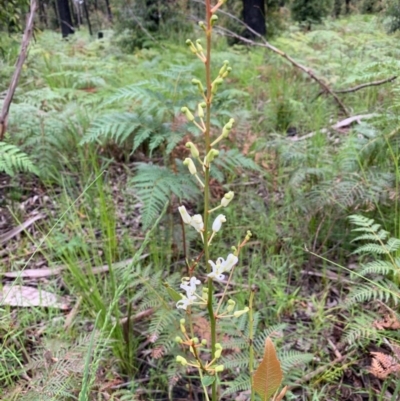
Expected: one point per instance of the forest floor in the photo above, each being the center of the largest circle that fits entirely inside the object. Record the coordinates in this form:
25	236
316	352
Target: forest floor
72	238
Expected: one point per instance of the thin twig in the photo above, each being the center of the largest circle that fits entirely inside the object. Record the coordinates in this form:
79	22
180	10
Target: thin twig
362	86
268	46
18	68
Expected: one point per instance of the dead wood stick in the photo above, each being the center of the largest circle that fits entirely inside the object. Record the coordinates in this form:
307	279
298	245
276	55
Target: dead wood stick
18	68
268	46
362	86
338	126
4	238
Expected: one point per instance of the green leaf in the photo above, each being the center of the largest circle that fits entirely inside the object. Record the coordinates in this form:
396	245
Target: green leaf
207	380
174	295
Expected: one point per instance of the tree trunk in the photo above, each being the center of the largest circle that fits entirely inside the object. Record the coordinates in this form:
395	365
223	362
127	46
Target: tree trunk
43	14
85	8
347	6
254	16
109	13
64	14
152	13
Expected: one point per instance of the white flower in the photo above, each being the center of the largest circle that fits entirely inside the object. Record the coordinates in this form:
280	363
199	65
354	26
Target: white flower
227	198
185	215
197	222
218	222
190	286
222	266
216	273
231	261
185	302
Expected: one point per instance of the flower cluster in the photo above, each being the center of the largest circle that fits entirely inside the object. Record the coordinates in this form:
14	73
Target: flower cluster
190	287
222	266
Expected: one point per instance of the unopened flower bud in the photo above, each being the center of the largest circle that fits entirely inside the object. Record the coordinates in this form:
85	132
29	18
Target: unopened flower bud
217	224
191	46
223	68
204	342
202	25
195	340
248	235
200	111
212	154
190	165
178	340
219	368
188	114
184	214
199	85
227	72
181	360
227	198
215	85
218	350
213	19
227	128
241	312
198	45
193	150
231	305
182	325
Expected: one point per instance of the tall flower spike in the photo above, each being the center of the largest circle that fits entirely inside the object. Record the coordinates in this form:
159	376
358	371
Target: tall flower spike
184	214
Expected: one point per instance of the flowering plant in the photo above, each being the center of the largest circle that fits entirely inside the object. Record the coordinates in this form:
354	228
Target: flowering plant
203	356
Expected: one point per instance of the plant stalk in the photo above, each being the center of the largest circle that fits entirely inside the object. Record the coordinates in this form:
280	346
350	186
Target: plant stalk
251	342
207	189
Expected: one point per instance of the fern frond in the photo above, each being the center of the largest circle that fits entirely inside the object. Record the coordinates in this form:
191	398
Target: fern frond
154	186
13	160
385	292
380	267
291	359
240	383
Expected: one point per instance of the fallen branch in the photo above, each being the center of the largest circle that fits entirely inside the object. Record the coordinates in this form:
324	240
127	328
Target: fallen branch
362	86
4	238
268	46
18	68
338	126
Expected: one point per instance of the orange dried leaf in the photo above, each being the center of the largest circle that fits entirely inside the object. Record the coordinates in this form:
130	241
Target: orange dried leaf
268	376
389	322
383	365
280	396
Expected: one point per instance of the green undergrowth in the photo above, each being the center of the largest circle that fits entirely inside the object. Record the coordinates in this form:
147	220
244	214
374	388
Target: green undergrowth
103	131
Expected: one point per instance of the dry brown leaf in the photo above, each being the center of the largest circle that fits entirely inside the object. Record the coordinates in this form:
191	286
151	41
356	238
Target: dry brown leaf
268	376
4	238
383	365
24	296
47	272
388	322
158	352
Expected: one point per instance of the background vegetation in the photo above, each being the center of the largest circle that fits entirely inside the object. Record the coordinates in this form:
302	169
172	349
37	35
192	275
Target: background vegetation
91	180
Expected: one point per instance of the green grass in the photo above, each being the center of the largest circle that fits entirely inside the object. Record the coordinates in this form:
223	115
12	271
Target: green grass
299	201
